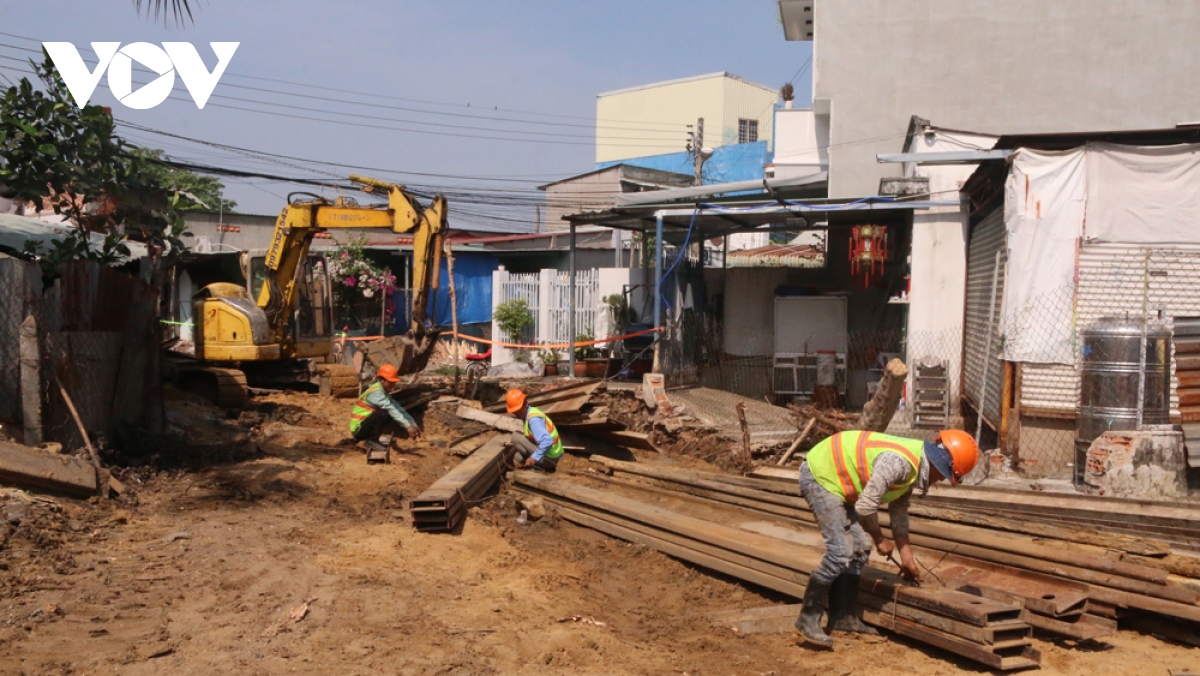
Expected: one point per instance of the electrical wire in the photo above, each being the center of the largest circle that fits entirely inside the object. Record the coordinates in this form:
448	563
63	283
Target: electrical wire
308	85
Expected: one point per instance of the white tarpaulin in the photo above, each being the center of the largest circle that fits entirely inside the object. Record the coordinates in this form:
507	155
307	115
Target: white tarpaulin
1045	197
1140	195
1143	194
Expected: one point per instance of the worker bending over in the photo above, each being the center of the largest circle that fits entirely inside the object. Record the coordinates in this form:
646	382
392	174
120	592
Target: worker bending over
845	479
375	408
540	445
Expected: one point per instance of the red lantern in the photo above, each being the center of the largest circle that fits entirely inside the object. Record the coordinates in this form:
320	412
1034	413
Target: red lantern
868	251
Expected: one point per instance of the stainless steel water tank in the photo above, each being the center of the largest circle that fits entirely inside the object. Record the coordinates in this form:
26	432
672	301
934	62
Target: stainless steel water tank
1108	393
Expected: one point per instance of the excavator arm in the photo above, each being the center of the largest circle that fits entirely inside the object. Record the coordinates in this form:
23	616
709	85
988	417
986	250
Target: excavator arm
300	221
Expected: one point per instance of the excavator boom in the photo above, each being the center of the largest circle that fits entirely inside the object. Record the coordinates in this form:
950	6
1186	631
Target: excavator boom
247	336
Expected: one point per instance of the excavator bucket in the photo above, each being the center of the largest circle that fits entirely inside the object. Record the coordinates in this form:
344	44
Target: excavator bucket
408	353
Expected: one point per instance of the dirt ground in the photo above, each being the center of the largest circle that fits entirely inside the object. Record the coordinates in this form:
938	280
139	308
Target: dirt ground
284	552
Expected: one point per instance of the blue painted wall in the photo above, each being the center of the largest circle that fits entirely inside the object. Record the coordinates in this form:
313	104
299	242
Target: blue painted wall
737	162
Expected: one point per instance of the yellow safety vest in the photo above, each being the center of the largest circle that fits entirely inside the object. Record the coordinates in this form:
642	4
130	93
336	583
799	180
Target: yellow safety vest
842	463
556	450
361	408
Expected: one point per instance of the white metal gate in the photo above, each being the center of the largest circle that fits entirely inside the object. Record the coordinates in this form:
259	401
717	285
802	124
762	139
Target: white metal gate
522	286
548	295
587	286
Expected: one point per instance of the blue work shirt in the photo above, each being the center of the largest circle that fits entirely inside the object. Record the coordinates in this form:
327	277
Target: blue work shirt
537	427
381	399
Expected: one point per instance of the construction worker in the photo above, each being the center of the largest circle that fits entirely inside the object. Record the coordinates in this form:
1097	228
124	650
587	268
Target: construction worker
540	445
375	408
845	479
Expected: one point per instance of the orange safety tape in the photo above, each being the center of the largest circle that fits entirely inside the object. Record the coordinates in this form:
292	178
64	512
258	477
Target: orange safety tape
555	346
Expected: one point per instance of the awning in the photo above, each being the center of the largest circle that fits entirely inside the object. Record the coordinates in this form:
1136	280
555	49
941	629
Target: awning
16	230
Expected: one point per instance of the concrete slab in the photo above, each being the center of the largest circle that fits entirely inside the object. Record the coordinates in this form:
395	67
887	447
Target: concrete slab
768	424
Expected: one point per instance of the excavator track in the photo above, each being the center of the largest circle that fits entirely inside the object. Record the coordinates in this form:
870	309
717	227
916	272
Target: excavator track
224	387
336	380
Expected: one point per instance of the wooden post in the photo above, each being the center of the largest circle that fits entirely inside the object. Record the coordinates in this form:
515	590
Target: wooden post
878	412
741	413
75	414
31	385
799	440
453	313
1005	406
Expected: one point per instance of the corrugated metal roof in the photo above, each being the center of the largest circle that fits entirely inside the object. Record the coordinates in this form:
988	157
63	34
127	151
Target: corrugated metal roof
778	256
16	230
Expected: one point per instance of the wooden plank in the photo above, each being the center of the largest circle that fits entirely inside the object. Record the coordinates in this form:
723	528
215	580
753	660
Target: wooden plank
543	399
67	474
769	620
504	422
466	445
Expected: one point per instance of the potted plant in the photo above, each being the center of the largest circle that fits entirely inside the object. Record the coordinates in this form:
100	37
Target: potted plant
514	318
550	359
594	366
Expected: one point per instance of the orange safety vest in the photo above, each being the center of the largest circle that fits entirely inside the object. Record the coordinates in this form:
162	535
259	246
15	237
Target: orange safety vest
842	463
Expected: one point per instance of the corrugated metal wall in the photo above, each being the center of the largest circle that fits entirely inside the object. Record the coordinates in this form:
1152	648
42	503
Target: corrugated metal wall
981	352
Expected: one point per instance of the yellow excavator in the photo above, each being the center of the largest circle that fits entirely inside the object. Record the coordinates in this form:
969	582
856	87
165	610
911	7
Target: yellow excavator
240	342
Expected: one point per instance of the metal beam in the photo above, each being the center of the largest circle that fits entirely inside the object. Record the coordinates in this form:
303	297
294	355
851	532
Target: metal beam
955	157
658	242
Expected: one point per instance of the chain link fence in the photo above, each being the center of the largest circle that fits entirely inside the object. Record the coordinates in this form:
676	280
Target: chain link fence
1078	361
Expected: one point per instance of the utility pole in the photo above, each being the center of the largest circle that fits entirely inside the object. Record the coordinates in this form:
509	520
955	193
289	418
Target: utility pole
695	143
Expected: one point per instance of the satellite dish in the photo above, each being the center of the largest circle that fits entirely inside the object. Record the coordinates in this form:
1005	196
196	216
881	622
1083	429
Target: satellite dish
706	153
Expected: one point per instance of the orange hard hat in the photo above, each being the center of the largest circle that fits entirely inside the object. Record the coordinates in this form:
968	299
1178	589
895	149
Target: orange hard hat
388	372
963	452
514	399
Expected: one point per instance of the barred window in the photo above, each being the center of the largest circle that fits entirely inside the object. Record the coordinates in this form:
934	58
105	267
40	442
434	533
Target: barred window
747	131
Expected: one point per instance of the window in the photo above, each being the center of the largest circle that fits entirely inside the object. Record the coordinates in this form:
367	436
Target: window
747	131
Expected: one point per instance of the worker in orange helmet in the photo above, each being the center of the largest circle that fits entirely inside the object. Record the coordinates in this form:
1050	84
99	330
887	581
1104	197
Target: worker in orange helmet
539	446
375	408
845	479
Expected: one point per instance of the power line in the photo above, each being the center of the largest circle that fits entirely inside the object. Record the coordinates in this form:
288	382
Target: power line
400	98
533	135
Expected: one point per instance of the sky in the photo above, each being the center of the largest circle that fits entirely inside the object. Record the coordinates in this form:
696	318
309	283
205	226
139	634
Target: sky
480	100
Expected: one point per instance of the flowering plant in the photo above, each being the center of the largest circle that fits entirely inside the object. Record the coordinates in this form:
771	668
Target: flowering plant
353	274
359	285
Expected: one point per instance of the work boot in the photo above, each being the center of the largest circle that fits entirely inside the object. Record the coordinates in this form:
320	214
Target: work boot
816	595
843	607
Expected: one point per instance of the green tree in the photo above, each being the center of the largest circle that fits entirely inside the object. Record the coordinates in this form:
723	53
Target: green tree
198	192
57	155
